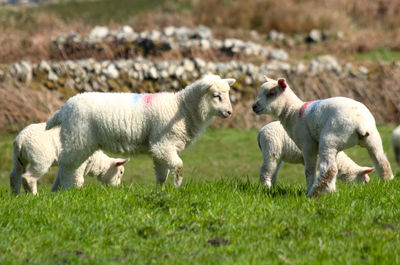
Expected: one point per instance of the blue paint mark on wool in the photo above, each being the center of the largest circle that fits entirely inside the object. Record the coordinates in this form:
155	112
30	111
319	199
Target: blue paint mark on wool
136	97
314	105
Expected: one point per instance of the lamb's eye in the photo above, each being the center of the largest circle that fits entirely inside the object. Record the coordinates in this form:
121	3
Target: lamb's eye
271	93
218	96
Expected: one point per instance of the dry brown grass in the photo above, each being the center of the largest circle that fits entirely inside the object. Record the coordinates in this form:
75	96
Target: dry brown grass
21	105
367	24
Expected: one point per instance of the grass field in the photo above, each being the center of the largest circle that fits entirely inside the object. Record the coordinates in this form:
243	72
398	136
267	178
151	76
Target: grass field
220	216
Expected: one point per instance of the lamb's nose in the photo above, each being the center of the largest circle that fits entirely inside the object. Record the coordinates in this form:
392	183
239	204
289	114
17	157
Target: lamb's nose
229	112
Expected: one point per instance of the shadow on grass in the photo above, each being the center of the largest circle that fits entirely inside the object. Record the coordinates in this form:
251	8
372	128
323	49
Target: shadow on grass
246	186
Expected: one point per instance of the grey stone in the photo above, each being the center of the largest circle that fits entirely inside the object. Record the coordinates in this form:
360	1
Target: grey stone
153	73
44	66
51	76
98	33
278	54
188	65
111	71
315	35
363	70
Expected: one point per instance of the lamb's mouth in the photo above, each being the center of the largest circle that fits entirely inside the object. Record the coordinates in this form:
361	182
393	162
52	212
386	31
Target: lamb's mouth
257	111
225	114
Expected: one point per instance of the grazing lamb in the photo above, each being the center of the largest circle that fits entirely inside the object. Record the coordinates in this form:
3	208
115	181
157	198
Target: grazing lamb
163	124
321	129
41	148
277	147
396	143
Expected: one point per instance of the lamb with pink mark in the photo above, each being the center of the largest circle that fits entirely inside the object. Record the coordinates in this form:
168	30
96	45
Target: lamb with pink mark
40	149
396	143
277	147
163	124
321	129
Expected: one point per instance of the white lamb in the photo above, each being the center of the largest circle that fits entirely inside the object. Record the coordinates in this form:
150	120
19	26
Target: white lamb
163	124
41	148
396	143
321	129
277	147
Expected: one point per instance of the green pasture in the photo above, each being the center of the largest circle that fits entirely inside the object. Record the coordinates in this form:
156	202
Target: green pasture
221	216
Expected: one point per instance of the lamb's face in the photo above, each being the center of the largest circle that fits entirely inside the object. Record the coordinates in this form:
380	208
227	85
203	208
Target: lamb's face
269	96
115	172
218	98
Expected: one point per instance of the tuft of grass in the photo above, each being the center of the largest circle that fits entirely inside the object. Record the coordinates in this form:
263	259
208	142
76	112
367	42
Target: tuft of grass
379	54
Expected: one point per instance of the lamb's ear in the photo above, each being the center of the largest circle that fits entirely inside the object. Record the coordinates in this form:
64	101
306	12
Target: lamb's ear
282	84
230	81
120	161
367	170
268	79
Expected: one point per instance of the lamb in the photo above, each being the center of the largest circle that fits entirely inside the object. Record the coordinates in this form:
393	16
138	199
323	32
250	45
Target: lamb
41	148
277	147
396	143
163	124
321	129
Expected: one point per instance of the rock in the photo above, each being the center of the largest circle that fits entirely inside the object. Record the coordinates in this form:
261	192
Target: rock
44	66
188	65
363	70
169	31
153	73
111	71
22	71
153	35
51	76
328	63
126	29
199	63
315	35
179	72
300	68
278	54
202	32
275	35
205	44
99	33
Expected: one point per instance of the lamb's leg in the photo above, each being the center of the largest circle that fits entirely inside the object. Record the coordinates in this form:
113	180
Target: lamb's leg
30	178
173	161
161	171
310	165
16	175
373	143
70	170
269	170
327	171
275	175
29	182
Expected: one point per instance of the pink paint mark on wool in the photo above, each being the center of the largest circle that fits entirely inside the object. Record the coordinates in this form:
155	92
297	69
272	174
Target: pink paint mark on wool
303	107
148	98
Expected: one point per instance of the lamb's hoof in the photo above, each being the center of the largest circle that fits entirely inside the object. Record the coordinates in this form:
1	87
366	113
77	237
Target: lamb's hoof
266	183
391	177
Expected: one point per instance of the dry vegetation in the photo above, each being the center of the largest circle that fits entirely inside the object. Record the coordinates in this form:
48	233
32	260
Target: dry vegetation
367	24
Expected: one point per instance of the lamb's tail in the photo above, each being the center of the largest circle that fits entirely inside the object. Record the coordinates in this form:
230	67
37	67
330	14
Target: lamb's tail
54	120
18	169
362	133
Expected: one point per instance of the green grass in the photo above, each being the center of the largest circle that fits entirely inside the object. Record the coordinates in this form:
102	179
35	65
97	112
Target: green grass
379	54
101	12
221	198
